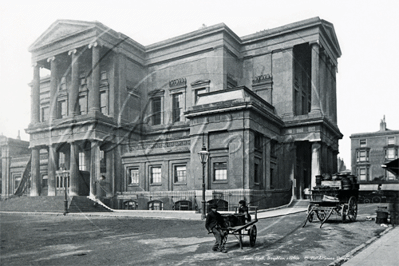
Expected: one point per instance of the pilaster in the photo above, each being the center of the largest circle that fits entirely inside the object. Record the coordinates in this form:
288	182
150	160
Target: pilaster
316	154
94	92
35	97
74	92
53	87
315	100
74	170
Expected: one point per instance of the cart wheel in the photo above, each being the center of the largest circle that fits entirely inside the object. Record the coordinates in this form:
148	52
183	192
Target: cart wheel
252	235
376	199
352	209
344	210
366	200
320	215
310	213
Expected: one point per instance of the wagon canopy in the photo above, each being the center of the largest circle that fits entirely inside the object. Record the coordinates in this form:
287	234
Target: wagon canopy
392	166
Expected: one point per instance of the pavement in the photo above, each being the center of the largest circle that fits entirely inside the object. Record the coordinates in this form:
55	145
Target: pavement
379	250
382	250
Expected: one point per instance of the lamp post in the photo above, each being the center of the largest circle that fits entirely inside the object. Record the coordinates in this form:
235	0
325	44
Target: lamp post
65	176
203	154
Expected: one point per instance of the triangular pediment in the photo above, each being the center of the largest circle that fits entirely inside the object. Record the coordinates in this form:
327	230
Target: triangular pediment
59	30
329	29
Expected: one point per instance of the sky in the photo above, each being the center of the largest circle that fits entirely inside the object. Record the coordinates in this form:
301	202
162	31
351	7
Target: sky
367	31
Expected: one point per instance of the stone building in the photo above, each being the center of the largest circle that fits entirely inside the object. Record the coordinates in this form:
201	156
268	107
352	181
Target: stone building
124	122
15	156
371	150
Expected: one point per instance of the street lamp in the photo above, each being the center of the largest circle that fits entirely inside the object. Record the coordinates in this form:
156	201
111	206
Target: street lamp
203	154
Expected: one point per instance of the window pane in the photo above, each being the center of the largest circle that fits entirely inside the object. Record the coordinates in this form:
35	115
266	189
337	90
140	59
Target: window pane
198	93
82	105
180	174
82	161
362	174
220	171
391	140
45	114
61	160
104	102
177	106
156	111
363	143
155	175
134	176
390	153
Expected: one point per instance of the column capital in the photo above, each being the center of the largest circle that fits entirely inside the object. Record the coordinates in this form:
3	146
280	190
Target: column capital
73	51
314	43
93	44
51	59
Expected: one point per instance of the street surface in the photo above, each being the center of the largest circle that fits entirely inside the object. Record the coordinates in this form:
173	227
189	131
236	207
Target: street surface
95	240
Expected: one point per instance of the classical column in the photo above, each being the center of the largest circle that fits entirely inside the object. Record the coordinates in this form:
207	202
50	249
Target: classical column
109	161
74	170
74	92
323	83
315	163
315	101
52	167
35	98
94	92
36	183
329	89
53	87
334	94
94	166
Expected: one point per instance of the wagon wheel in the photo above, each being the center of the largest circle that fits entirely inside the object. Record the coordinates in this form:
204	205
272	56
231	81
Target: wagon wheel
320	215
252	235
352	209
366	200
344	210
310	213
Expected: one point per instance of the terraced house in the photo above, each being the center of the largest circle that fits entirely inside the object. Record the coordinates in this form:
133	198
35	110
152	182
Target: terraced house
125	122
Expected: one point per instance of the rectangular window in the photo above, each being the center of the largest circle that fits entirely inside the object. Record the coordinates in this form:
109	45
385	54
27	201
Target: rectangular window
258	141
156	110
156	175
363	156
256	174
61	160
103	163
17	180
391	140
134	176
82	161
220	171
273	148
176	106
45	114
61	109
363	143
389	175
198	93
45	181
390	153
104	102
82	105
180	173
363	173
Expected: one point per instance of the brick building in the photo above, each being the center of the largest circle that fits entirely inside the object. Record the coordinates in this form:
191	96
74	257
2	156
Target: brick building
263	105
371	150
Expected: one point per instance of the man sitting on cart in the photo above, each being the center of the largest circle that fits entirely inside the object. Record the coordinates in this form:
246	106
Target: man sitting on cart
214	223
242	208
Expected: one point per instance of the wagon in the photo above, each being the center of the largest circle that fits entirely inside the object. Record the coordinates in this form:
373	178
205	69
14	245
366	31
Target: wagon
326	200
236	225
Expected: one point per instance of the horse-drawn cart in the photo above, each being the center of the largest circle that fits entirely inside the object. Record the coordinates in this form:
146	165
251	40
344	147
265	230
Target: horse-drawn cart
338	196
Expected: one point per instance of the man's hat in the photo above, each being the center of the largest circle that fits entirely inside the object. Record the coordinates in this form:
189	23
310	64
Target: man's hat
214	206
242	202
